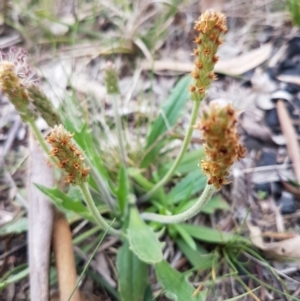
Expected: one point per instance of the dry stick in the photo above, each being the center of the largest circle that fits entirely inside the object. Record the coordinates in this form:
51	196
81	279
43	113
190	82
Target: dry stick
64	258
291	137
40	219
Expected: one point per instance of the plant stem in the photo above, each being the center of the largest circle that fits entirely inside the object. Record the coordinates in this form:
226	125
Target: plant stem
39	136
100	181
98	217
183	149
119	129
181	217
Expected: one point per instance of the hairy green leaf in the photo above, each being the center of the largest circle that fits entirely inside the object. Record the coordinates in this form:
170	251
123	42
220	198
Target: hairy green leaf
198	258
65	203
142	240
132	275
174	283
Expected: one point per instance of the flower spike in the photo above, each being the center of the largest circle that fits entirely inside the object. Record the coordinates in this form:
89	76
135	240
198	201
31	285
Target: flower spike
20	84
222	147
210	26
69	156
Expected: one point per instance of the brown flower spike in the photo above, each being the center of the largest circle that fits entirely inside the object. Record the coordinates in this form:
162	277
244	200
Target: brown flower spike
222	147
69	156
210	26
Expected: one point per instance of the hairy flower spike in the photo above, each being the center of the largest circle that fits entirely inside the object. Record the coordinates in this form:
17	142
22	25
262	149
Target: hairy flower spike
210	26
43	105
13	87
69	155
19	83
222	147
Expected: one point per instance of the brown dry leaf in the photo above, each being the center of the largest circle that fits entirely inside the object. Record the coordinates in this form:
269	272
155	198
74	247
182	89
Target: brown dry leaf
289	247
234	66
253	124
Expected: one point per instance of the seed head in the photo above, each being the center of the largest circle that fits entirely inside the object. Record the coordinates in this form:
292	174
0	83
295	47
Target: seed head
20	84
69	156
210	26
14	88
18	57
218	127
43	105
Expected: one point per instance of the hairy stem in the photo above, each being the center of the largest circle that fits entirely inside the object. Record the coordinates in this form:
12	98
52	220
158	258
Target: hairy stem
39	136
94	210
183	149
181	217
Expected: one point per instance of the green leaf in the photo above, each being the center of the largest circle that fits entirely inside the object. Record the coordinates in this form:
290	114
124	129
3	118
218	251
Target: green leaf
188	186
65	203
188	163
198	258
171	111
186	236
17	226
175	284
132	275
148	294
142	240
123	189
136	174
16	274
211	235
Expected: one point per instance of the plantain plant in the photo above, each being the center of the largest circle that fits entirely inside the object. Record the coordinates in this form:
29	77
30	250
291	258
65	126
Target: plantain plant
107	194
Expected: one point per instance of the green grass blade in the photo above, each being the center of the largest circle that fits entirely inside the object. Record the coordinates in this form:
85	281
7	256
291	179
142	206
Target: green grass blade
212	236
